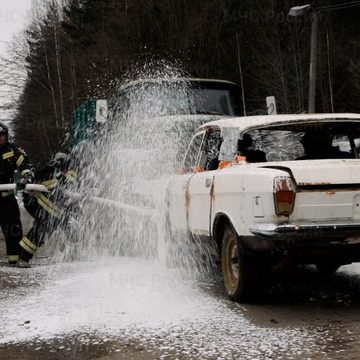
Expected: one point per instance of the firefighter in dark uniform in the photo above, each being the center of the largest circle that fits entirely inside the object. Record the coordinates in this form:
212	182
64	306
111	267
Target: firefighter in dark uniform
12	158
50	210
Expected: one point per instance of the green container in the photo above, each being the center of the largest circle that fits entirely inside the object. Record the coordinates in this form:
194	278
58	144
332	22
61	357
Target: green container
83	122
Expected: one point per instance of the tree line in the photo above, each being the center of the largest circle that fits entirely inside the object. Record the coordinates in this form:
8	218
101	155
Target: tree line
76	50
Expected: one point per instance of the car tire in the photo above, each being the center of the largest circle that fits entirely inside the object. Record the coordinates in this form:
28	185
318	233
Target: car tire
327	269
242	274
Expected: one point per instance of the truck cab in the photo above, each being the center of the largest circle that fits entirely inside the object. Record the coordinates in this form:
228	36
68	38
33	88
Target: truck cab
153	98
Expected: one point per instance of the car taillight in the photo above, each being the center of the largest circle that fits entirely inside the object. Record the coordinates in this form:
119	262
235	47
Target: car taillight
284	195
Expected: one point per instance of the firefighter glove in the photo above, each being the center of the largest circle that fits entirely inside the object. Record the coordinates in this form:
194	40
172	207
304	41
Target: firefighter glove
24	181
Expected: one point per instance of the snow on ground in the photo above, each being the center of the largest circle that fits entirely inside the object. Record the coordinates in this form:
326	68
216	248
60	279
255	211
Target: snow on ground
138	300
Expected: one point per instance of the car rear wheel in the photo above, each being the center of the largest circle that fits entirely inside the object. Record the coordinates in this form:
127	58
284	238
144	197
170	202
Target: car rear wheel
240	272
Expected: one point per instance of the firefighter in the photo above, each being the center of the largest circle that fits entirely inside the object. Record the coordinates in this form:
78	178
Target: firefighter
50	210
12	158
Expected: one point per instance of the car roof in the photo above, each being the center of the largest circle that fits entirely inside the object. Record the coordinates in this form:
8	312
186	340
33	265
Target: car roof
247	122
174	80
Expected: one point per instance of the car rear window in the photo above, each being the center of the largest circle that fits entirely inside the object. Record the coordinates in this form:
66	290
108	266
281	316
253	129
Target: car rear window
308	141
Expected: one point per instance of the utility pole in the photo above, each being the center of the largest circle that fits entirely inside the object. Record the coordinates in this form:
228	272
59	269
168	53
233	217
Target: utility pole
298	11
313	61
315	9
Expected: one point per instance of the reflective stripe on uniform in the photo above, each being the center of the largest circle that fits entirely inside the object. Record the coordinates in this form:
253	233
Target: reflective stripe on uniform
27	245
48	202
13	257
26	171
49	209
48	205
20	160
50	184
8	155
72	176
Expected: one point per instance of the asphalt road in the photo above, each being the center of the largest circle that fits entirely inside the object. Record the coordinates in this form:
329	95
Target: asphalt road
132	309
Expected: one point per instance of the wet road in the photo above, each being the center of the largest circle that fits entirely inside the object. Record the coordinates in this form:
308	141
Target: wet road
127	308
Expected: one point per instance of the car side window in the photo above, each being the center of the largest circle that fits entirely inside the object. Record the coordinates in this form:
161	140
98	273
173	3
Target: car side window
193	152
211	151
228	149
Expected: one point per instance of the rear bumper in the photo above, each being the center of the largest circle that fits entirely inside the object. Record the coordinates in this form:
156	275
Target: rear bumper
309	238
307	243
316	233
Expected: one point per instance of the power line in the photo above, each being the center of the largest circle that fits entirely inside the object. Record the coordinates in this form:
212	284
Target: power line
339	6
349	3
344	7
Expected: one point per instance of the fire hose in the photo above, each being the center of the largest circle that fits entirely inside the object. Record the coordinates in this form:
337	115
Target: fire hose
77	196
28	187
112	203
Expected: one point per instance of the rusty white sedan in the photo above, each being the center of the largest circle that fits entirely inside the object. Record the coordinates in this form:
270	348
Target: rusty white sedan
269	191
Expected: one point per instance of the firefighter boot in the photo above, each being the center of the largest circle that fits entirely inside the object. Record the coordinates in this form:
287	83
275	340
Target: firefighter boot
22	264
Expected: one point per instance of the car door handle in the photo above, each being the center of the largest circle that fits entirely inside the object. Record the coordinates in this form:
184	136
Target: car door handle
208	182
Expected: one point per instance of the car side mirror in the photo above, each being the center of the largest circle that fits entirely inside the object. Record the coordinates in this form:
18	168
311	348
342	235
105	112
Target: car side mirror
101	111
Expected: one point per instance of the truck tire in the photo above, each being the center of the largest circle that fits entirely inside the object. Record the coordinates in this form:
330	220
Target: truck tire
241	273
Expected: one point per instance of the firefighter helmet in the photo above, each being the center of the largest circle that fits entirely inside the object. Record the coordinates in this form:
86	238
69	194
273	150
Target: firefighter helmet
60	156
59	160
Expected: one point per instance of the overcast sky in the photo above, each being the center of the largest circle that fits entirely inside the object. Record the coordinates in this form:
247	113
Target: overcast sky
14	15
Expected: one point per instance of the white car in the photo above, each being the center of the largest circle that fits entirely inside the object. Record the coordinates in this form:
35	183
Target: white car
271	190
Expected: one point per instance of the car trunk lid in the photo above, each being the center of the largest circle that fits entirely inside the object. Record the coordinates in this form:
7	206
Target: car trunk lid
327	190
321	173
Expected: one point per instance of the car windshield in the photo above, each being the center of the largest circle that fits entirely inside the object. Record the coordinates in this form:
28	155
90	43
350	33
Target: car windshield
306	141
180	98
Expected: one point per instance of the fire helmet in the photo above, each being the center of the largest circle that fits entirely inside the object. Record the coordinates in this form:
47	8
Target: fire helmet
60	160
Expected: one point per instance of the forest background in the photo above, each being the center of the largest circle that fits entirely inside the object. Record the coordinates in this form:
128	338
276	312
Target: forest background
74	50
